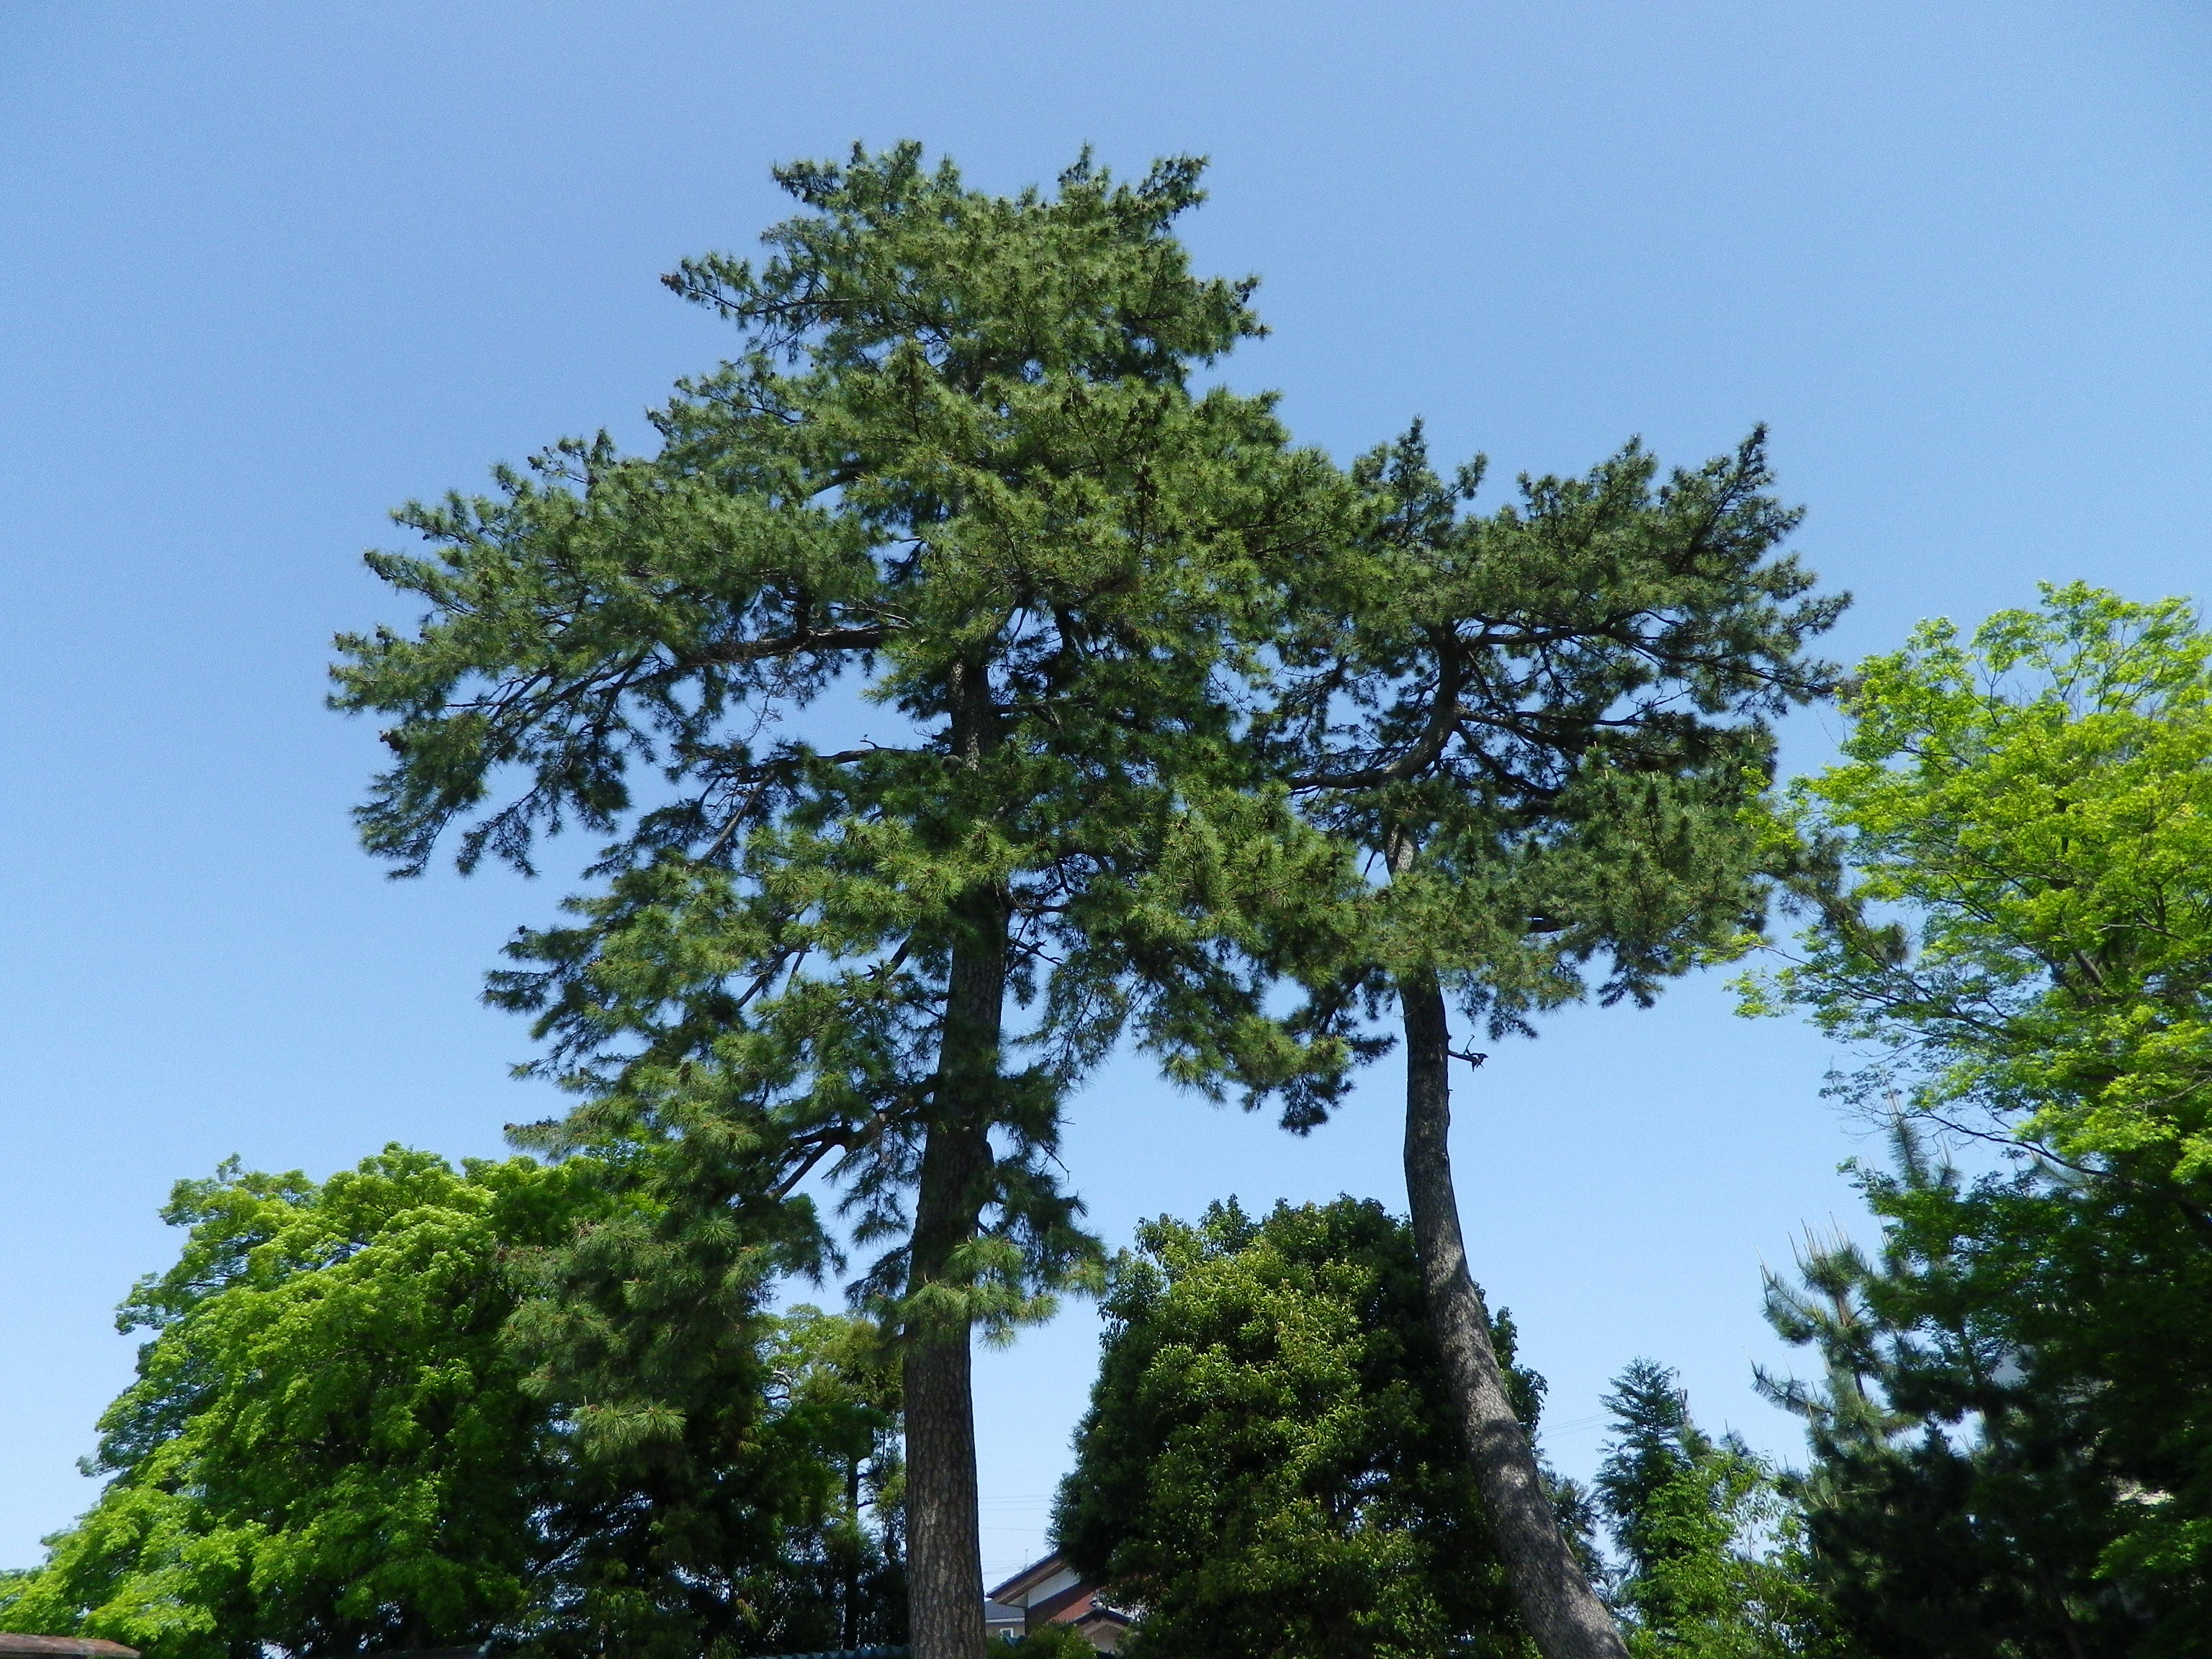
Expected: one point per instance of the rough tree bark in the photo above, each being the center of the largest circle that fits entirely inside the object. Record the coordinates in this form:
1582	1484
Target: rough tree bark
1563	1613
944	1563
944	1560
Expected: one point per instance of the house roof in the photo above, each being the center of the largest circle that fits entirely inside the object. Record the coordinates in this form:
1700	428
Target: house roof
1077	1605
62	1647
1029	1578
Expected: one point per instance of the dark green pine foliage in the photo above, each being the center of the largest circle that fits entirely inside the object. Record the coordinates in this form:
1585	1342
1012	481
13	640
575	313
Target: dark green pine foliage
735	1482
1270	1462
2009	1440
1550	725
954	495
1546	731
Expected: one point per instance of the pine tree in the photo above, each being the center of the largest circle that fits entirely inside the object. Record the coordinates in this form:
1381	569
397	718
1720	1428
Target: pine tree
1548	726
1963	1497
1655	1445
734	1482
956	470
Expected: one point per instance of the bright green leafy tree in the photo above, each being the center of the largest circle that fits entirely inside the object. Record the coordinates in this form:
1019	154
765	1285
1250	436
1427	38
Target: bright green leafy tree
333	1446
2010	1445
1715	1562
956	470
1271	1461
2033	808
328	1447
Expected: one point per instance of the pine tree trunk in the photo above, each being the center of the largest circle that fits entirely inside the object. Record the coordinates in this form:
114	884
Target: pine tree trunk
851	1624
945	1557
945	1565
944	1562
1562	1611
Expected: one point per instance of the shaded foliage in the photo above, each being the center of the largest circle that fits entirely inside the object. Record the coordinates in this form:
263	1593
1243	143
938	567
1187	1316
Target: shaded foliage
1270	1462
2009	1435
736	1483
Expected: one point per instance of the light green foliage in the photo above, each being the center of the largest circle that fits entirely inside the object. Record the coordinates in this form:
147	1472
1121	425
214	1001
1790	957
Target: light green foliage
1716	1564
1271	1463
333	1447
327	1448
1731	1579
2033	806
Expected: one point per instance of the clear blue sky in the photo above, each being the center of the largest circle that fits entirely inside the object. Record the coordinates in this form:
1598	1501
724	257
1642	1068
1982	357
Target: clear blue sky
267	270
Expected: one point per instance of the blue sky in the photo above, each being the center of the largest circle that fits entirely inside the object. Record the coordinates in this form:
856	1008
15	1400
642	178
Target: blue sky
269	270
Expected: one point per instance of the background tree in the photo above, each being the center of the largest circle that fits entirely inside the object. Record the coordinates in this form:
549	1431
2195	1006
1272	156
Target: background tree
2024	960
1654	1443
333	1447
735	1482
955	469
1714	1559
1271	1461
1548	727
328	1449
2006	1435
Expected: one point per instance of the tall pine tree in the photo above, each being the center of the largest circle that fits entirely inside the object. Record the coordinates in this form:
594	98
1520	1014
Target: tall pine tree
1547	729
956	470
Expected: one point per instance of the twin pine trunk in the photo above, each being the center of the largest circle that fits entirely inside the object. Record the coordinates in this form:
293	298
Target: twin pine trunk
1562	1612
